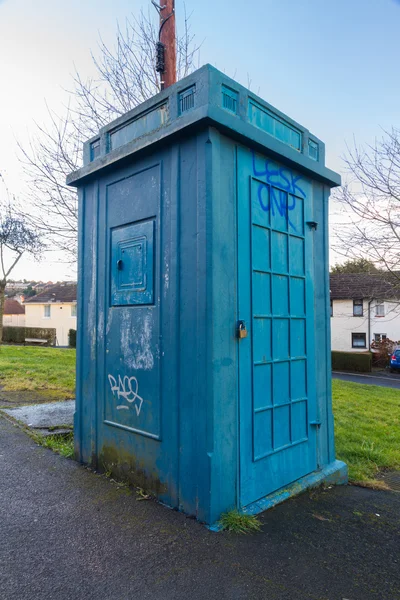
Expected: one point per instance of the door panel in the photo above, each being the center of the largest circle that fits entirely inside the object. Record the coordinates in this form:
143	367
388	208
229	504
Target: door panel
276	359
132	336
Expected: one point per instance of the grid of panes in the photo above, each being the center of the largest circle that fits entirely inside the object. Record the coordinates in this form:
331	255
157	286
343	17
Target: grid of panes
279	320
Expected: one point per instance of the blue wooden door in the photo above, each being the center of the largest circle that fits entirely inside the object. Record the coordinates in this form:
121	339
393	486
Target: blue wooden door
275	299
132	331
136	432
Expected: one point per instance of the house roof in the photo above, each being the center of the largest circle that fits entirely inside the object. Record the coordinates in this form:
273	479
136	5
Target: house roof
60	292
365	285
13	307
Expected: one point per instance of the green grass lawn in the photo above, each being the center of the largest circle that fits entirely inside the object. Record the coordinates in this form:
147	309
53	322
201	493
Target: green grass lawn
367	429
48	371
367	417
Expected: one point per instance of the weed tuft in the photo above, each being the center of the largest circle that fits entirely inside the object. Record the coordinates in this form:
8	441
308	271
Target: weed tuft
62	444
238	522
141	494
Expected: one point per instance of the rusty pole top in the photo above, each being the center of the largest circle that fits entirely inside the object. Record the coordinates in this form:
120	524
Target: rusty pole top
166	46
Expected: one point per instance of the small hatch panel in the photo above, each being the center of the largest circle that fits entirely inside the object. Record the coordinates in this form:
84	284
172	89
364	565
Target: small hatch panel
132	258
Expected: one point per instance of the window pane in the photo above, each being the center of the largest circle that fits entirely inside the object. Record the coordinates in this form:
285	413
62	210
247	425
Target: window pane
380	309
47	310
380	336
73	310
358	308
358	340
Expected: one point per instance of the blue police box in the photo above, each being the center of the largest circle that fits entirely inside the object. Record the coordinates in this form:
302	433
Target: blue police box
203	349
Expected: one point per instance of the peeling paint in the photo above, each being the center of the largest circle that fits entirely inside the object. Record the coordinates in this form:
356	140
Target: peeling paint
92	298
166	271
136	342
100	325
109	322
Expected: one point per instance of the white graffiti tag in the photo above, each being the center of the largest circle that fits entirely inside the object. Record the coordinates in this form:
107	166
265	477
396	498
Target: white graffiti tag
127	388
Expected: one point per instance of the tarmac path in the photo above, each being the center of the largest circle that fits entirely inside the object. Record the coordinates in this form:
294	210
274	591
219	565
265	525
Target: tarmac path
381	379
69	534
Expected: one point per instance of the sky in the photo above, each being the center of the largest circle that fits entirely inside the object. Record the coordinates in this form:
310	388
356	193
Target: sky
331	66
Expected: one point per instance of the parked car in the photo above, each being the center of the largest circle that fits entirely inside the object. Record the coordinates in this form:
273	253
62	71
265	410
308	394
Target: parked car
395	360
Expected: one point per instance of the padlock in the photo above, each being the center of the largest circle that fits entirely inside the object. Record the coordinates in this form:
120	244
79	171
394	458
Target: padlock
242	331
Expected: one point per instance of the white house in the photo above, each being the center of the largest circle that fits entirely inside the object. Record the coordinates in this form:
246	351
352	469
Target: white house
55	307
364	307
14	313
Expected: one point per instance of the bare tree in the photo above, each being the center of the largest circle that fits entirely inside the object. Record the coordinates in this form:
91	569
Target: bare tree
16	238
55	151
371	199
125	77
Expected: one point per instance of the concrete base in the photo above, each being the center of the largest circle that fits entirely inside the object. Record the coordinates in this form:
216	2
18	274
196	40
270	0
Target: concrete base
49	418
336	473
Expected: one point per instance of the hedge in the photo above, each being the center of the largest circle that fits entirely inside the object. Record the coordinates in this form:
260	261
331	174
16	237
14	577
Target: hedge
72	338
14	335
17	335
359	362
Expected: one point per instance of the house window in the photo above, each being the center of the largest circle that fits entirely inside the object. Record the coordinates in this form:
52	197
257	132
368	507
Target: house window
331	308
358	340
378	337
73	310
357	308
380	309
47	308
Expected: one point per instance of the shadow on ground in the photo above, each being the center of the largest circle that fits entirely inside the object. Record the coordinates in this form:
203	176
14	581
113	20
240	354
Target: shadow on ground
69	533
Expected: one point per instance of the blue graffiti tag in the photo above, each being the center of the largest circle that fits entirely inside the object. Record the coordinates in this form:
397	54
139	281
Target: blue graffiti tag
290	184
277	200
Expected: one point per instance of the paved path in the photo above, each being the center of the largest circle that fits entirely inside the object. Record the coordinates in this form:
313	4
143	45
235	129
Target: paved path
68	534
44	417
381	379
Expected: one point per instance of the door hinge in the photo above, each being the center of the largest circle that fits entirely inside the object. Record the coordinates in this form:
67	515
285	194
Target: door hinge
312	224
315	423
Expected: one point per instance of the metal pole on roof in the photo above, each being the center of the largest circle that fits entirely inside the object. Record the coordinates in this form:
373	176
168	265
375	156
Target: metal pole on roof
166	45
